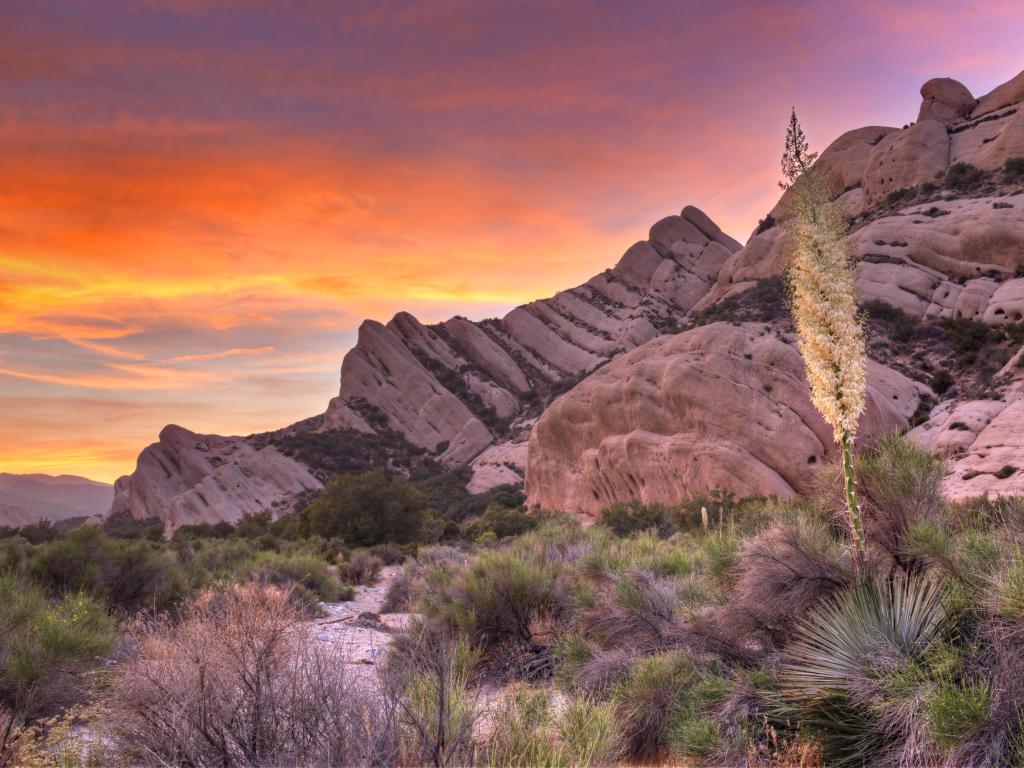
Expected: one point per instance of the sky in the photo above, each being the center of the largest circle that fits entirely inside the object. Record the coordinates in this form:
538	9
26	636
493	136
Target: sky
200	200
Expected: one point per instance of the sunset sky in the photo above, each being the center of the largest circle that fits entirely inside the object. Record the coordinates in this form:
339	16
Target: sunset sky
200	200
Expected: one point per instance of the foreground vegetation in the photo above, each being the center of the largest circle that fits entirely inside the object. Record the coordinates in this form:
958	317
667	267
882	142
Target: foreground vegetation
713	632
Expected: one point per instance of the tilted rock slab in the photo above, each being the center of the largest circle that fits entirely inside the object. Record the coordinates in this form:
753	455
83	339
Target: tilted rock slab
458	388
720	406
187	478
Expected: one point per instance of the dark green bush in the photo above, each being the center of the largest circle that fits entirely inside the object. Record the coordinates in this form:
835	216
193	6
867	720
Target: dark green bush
1013	169
626	517
941	382
369	508
500	520
963	176
130	574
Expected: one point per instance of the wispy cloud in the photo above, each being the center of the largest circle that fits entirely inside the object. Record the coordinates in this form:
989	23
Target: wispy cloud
236	352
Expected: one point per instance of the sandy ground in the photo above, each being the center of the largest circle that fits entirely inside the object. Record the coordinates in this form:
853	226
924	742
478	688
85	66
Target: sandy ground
362	646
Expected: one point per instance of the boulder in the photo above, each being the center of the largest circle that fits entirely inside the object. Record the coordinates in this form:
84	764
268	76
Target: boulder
1005	95
718	406
946	101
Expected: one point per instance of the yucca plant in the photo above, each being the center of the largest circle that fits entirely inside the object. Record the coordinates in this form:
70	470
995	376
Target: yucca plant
824	306
839	666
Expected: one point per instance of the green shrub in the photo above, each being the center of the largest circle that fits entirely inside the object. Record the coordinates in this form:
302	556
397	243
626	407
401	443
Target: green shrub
941	382
130	575
648	700
588	730
693	735
1013	169
900	484
956	711
41	644
500	596
310	576
626	517
1011	597
499	520
721	553
360	567
963	176
369	508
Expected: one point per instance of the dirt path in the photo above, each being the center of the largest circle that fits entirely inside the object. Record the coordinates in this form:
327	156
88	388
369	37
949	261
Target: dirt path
362	642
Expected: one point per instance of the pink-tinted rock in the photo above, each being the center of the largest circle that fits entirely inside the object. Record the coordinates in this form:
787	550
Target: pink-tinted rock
719	406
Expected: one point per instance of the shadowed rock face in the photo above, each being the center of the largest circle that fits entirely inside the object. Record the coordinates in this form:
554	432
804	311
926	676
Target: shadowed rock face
586	390
720	406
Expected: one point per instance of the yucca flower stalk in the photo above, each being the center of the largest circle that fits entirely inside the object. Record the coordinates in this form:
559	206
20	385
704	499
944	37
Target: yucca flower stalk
824	307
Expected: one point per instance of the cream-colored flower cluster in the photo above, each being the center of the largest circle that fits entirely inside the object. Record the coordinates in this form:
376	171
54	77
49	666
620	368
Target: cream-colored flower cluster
824	303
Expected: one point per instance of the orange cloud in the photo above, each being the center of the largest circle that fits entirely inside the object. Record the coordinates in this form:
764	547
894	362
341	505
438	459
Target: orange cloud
236	352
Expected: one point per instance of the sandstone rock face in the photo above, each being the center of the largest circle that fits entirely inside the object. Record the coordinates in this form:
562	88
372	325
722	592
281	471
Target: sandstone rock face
945	259
906	158
983	442
1005	95
945	100
720	406
469	391
585	393
187	478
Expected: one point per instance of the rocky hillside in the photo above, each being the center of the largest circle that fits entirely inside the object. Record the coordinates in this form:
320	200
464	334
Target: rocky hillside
937	227
461	392
676	371
26	499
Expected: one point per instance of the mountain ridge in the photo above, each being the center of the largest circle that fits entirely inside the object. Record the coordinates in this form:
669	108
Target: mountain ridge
934	229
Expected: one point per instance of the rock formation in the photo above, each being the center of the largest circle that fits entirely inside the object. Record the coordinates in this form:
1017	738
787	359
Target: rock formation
718	406
469	391
586	393
187	478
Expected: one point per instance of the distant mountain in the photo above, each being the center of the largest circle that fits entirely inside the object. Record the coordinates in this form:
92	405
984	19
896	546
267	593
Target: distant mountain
26	499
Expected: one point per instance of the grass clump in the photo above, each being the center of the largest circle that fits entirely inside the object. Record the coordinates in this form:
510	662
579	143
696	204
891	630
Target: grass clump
956	711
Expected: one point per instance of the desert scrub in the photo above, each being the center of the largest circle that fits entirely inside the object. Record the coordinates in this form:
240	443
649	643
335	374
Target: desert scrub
41	645
957	711
845	660
650	698
359	567
527	733
306	577
824	308
505	601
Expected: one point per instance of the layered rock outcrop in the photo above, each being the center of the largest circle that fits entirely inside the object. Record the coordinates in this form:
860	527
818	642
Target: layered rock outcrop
187	478
469	391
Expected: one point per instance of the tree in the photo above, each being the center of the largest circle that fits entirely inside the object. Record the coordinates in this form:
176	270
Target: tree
824	305
369	508
797	157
